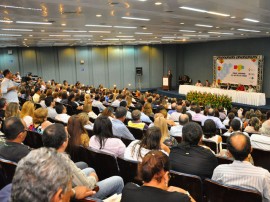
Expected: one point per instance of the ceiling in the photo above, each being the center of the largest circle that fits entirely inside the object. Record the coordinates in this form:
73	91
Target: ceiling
171	21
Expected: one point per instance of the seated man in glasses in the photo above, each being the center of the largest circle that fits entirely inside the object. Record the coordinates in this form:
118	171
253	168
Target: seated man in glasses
15	132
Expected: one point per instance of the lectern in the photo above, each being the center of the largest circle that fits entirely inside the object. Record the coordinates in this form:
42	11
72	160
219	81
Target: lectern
165	83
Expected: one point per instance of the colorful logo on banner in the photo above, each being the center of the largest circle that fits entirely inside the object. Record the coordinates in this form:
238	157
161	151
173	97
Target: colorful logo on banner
239	67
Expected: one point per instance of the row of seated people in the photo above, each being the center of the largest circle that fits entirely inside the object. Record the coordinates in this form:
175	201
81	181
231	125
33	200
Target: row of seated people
186	155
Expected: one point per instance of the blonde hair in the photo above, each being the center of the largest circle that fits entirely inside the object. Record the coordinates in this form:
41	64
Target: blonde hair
87	108
147	109
84	119
129	100
87	99
12	110
40	115
28	109
161	123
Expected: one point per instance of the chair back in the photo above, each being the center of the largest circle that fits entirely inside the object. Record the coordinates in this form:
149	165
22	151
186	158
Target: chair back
212	145
95	110
33	140
136	132
128	170
90	132
61	122
261	158
79	153
224	138
70	110
51	119
223	160
7	171
126	141
191	183
216	192
178	138
37	105
105	164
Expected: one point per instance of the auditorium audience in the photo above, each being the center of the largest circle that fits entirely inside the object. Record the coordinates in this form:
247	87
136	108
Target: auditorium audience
144	117
3	105
12	110
87	108
199	117
96	103
241	172
154	171
175	115
40	121
136	121
210	115
189	157
199	83
235	126
253	126
262	141
50	103
177	130
61	113
103	138
108	111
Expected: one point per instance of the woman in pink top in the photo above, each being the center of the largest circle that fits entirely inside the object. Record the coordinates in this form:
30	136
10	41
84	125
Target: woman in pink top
104	140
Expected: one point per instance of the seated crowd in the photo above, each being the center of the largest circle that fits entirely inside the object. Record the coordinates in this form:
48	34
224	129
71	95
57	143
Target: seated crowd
172	134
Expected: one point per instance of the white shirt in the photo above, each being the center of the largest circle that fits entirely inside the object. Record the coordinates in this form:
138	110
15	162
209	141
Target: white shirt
98	104
116	103
12	95
176	130
228	133
92	115
175	116
62	117
51	112
28	120
260	141
244	174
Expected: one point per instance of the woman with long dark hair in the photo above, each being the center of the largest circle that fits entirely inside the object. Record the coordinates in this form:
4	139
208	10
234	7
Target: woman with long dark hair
104	140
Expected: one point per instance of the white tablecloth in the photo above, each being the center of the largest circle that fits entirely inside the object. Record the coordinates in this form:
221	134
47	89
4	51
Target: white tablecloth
242	97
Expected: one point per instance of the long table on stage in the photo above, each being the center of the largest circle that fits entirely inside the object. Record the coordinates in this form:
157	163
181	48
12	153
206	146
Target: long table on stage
249	98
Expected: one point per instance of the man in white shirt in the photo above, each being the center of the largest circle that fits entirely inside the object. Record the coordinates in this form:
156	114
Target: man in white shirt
61	113
144	117
96	103
217	121
234	127
116	103
9	87
241	172
50	103
198	116
262	141
177	130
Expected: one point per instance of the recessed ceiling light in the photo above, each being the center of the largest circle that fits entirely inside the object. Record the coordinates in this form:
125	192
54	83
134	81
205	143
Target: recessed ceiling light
42	30
182	23
242	34
158	3
83	35
122	36
201	25
168	37
30	35
233	17
21	30
182	30
19	7
34	23
98	15
217	27
79	31
25	39
267	32
87	25
125	27
216	13
63	24
60	35
127	39
248	30
134	18
111	39
251	20
144	27
223	33
6	21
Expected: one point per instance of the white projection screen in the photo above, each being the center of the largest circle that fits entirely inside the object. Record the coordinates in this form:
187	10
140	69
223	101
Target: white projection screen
246	70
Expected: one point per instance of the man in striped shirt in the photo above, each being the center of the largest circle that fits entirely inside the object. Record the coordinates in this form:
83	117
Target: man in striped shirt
242	173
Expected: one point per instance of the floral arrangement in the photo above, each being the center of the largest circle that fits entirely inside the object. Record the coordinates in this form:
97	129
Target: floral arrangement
213	100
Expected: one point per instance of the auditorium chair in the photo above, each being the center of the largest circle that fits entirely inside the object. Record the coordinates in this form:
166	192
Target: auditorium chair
33	140
79	153
137	133
70	110
7	170
128	170
178	138
191	183
216	192
105	164
61	122
90	132
261	158
223	160
95	110
224	138
37	105
92	120
212	145
51	119
21	101
126	141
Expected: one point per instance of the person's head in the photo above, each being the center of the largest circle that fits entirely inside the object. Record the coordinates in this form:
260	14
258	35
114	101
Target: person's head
55	136
12	110
75	129
147	109
28	109
239	146
40	115
49	101
37	90
179	109
60	109
197	110
151	139
161	123
211	112
103	129
120	113
235	125
183	119
3	103
139	106
43	175
7	73
265	129
192	133
268	115
136	115
155	166
83	118
255	123
14	129
199	81
108	111
123	103
209	128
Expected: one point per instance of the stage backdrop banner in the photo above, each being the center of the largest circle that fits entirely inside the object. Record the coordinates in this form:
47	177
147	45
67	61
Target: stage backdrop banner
238	69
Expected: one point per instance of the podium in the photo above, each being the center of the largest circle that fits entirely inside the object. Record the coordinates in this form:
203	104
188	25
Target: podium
165	83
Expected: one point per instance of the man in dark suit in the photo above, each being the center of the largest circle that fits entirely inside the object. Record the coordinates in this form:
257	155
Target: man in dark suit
170	79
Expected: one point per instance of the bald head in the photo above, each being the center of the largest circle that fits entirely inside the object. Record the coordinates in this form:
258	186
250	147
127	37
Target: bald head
183	119
211	112
179	109
239	146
